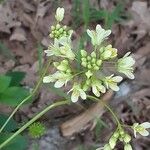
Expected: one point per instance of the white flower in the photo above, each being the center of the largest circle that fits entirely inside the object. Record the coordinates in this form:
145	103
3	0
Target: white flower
98	36
108	52
60	79
61	48
125	65
59	14
97	87
77	92
141	128
111	82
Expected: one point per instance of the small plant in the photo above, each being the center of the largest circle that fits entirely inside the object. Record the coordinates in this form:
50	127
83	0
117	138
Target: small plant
89	72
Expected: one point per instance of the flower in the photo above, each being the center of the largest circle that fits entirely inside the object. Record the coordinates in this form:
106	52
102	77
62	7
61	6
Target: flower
76	92
125	65
59	14
97	87
108	52
61	48
111	82
60	78
141	128
98	36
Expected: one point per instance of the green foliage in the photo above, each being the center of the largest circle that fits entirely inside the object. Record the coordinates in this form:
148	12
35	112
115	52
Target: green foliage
11	126
11	93
16	77
4	83
18	143
90	14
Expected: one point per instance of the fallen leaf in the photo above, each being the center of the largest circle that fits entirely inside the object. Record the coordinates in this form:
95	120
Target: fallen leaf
18	35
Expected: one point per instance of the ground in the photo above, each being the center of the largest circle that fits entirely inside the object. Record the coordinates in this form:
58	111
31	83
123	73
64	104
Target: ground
24	28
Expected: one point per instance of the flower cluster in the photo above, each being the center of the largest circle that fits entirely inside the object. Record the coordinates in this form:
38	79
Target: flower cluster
90	74
120	135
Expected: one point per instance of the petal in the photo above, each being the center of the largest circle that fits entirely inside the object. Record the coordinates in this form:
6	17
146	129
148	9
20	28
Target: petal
144	133
47	79
114	86
135	133
95	91
74	97
117	79
82	94
145	125
59	84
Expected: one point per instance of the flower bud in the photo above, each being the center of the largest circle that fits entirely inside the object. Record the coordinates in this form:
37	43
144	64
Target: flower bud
112	142
99	62
96	67
58	26
127	138
59	14
84	64
93	54
116	135
127	147
83	53
88	58
107	147
52	28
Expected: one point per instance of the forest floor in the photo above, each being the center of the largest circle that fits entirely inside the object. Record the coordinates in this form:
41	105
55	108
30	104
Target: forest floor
24	28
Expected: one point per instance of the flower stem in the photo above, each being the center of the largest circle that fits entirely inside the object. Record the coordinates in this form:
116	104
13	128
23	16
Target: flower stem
110	110
28	97
33	120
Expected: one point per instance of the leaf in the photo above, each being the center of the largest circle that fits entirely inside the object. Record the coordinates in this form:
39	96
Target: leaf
4	82
11	125
16	77
18	143
13	96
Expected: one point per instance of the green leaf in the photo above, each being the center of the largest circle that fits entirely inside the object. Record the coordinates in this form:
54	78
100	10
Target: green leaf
4	82
16	77
11	125
13	96
18	143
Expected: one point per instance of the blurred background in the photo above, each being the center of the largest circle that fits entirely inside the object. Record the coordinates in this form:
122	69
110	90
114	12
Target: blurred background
24	34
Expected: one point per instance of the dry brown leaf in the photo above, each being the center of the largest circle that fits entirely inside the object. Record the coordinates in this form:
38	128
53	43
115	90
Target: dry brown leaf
7	18
18	35
141	14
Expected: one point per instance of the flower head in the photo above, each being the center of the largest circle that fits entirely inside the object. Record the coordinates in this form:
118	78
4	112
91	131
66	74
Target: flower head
61	48
111	82
59	14
141	128
108	52
125	65
77	92
98	36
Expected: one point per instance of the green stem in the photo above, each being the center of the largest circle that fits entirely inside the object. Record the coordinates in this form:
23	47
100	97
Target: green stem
111	111
27	98
33	120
